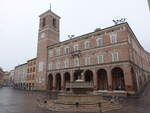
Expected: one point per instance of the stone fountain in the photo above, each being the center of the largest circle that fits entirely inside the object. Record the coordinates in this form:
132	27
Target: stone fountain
80	98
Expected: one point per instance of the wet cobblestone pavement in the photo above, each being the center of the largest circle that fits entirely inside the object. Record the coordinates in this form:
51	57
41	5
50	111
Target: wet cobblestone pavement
17	101
137	105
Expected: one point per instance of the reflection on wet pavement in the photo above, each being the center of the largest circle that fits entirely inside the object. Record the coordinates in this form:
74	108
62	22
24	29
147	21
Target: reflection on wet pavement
18	101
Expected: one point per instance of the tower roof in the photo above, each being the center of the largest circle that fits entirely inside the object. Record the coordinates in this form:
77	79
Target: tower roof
49	12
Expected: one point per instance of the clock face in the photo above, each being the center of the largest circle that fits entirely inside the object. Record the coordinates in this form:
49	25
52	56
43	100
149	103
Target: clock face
43	35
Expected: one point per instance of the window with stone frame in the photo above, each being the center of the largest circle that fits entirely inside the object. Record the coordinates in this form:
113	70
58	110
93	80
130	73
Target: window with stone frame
100	59
50	53
99	42
87	45
57	65
76	62
54	22
115	56
50	66
66	50
113	37
57	51
76	47
41	66
66	63
87	60
43	22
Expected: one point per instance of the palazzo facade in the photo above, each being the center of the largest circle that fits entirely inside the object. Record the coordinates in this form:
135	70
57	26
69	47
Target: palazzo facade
112	59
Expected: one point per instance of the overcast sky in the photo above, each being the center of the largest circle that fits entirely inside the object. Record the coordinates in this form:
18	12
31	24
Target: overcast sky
19	23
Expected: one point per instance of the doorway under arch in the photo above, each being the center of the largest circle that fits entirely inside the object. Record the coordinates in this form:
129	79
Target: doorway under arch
88	76
66	78
50	82
102	80
58	81
118	79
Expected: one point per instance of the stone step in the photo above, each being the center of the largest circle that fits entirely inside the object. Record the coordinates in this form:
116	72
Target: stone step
106	106
110	108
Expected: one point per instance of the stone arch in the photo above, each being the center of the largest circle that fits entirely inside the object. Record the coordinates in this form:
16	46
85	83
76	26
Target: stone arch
134	79
118	78
50	82
76	75
58	81
102	81
88	75
67	78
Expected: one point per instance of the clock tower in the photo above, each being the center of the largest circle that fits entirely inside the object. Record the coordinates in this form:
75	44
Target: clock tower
48	35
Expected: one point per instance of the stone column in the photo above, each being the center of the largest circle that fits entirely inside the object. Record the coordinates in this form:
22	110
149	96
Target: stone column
82	76
95	79
54	82
62	82
71	76
128	78
109	77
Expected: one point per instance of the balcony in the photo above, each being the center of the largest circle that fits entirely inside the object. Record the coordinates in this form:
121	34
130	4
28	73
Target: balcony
76	53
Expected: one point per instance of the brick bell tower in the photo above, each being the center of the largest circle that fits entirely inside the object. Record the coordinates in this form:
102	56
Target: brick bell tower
48	35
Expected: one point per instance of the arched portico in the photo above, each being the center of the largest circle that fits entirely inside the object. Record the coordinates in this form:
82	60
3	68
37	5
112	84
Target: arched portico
76	76
102	80
50	82
135	87
118	79
88	76
58	81
67	78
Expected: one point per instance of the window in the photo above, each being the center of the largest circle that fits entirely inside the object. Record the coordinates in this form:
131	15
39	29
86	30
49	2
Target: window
41	66
54	22
57	51
50	66
58	65
87	60
54	65
50	53
76	62
66	63
100	59
43	22
113	38
87	44
115	56
67	50
99	42
76	47
33	76
33	69
28	70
